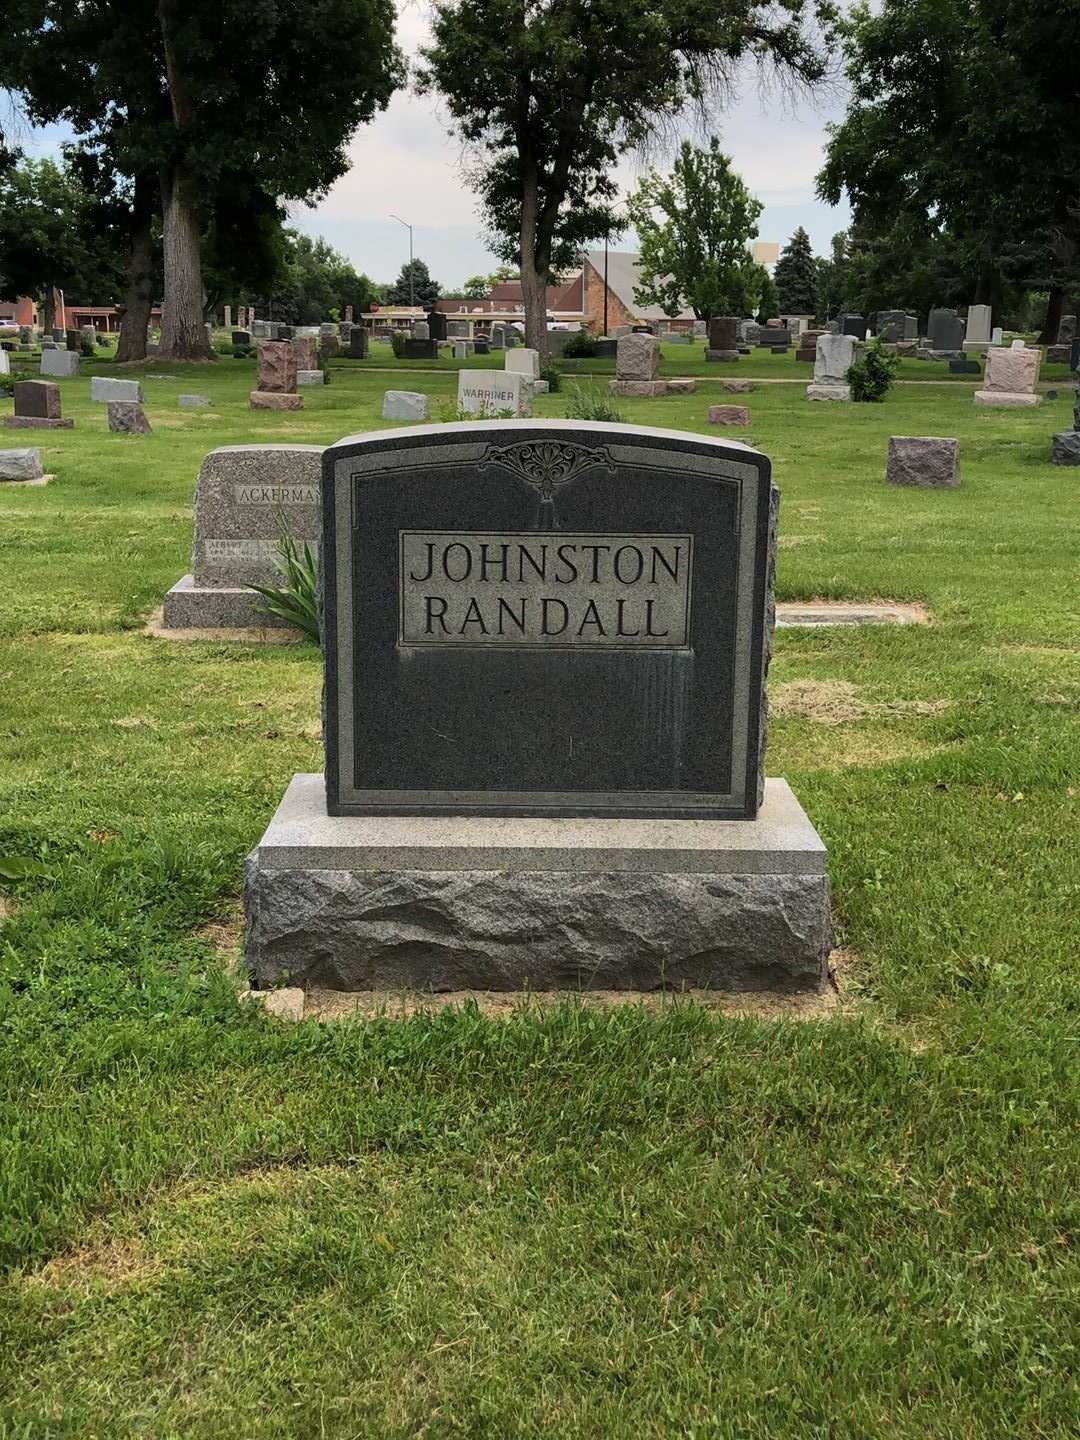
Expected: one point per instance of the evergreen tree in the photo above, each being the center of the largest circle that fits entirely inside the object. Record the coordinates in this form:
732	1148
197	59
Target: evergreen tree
767	306
422	291
795	276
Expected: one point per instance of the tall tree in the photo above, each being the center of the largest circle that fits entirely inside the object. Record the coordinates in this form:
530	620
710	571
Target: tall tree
550	95
414	286
198	93
795	276
694	229
921	148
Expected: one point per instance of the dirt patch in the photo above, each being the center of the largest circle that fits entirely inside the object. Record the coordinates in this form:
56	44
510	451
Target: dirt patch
7	907
838	702
252	635
503	1005
223	934
109	1263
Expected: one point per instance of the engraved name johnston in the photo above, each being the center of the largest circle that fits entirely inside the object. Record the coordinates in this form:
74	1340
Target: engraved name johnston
549	590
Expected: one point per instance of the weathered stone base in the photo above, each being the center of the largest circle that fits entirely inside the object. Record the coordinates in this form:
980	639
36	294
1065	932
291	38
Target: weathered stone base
976	347
1007	399
729	415
637	389
1065	448
828	392
203	607
275	400
723	356
493	904
36	422
682	386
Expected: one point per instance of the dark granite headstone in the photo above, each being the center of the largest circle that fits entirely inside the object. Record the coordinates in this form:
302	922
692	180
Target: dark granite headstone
772	337
358	343
241	338
545	618
853	325
944	330
606	349
964	367
723	332
39	398
436	323
483	345
420	349
72	340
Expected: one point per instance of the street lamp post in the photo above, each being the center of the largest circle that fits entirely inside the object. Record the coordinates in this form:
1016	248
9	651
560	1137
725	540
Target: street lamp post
412	277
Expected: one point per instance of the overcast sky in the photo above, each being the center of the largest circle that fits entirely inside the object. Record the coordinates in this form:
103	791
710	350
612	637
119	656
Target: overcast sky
406	163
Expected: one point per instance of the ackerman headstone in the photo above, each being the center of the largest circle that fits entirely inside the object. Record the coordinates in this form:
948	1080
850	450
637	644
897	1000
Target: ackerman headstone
544	721
244	494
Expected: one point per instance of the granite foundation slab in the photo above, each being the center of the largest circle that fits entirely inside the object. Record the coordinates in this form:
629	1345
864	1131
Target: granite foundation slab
1007	400
452	903
828	392
722	356
274	400
37	422
212	607
638	389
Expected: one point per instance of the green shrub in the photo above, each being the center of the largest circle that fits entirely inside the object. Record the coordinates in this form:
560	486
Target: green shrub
297	599
553	375
872	375
86	347
588	403
397	342
580	346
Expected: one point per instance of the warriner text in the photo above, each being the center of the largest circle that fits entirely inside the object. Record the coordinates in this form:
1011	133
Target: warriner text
554	589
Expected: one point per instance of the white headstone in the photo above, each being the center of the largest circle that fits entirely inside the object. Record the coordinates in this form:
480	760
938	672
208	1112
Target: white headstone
524	362
494	392
61	363
105	389
405	405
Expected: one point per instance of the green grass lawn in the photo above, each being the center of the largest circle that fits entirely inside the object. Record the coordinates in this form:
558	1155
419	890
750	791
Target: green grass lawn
572	1222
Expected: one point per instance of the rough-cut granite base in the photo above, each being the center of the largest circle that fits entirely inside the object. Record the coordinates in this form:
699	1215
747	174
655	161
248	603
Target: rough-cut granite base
36	422
1007	399
728	357
204	607
1065	448
828	392
453	903
638	389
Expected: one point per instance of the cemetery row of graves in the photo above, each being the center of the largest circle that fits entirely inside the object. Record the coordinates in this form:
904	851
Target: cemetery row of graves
848	1210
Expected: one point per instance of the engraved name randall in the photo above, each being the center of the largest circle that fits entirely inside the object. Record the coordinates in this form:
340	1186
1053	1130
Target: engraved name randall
527	590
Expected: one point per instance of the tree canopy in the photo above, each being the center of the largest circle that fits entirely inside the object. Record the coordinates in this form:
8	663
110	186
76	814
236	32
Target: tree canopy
694	229
206	97
960	145
549	96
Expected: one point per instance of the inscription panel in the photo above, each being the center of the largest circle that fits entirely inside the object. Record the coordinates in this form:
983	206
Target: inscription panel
526	591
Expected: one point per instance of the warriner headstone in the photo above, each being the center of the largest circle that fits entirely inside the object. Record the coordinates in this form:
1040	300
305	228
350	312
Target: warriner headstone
242	495
545	647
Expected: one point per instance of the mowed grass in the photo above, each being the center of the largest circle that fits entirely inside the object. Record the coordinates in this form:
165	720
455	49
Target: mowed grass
572	1222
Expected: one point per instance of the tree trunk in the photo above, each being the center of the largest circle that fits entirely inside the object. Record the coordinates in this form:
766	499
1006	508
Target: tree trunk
131	346
48	311
1055	308
183	334
533	283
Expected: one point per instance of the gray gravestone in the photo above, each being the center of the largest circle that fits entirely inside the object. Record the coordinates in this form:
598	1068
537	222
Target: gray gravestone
404	405
64	364
945	332
21	465
243	494
833	355
104	388
420	349
552	638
